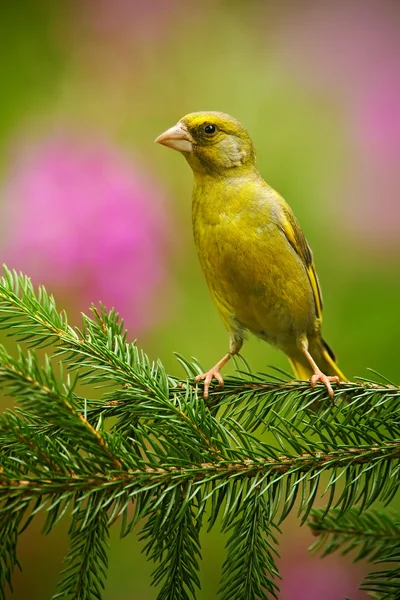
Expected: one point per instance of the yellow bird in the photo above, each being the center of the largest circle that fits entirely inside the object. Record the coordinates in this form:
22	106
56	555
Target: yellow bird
256	260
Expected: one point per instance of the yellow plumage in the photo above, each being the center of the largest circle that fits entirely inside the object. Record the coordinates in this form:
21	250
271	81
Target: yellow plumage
255	258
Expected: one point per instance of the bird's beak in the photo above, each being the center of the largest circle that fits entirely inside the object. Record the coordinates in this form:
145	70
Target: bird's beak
177	138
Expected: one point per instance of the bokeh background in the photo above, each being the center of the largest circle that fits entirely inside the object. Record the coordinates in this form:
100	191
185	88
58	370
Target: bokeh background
93	209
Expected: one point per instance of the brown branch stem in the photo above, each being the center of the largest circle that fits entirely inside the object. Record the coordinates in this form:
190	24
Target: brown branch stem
304	463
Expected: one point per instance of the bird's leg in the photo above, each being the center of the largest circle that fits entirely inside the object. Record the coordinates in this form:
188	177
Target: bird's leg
236	341
318	374
213	373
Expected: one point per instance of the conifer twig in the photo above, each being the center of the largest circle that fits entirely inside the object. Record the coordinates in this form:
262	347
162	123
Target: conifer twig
151	452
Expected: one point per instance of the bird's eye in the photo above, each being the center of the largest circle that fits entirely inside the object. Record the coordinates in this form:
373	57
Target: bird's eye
210	129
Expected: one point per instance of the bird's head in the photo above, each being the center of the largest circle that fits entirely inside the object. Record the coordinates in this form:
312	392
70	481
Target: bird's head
212	142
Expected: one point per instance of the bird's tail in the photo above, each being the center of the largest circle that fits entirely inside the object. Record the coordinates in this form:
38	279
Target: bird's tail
323	356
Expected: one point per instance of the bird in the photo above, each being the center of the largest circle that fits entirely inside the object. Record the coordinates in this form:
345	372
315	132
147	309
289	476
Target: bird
256	260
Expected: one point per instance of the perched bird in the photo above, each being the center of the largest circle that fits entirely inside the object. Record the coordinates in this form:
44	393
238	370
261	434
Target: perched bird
256	260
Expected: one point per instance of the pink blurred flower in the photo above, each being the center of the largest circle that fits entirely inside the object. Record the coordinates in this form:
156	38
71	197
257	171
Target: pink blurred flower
351	51
310	577
378	121
84	219
123	17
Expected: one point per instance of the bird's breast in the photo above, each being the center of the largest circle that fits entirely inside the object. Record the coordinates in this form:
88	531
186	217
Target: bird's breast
253	273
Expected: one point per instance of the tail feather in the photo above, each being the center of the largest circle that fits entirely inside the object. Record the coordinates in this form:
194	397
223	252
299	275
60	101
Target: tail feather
330	359
323	356
301	370
329	350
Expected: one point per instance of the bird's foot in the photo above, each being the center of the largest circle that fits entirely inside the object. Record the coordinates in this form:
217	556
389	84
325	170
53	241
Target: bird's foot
326	380
207	378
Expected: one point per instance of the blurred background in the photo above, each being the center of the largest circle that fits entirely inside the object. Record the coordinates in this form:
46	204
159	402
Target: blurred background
93	209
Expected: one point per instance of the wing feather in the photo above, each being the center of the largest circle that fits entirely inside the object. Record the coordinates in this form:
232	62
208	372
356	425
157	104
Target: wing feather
297	240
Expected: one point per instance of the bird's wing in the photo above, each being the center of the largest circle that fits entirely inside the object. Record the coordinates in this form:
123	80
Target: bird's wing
296	238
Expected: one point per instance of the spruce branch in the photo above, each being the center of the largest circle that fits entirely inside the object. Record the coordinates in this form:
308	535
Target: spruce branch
100	346
9	529
87	560
251	551
372	535
151	452
172	540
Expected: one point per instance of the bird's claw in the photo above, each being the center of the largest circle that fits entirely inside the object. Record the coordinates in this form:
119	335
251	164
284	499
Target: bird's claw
207	378
326	380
